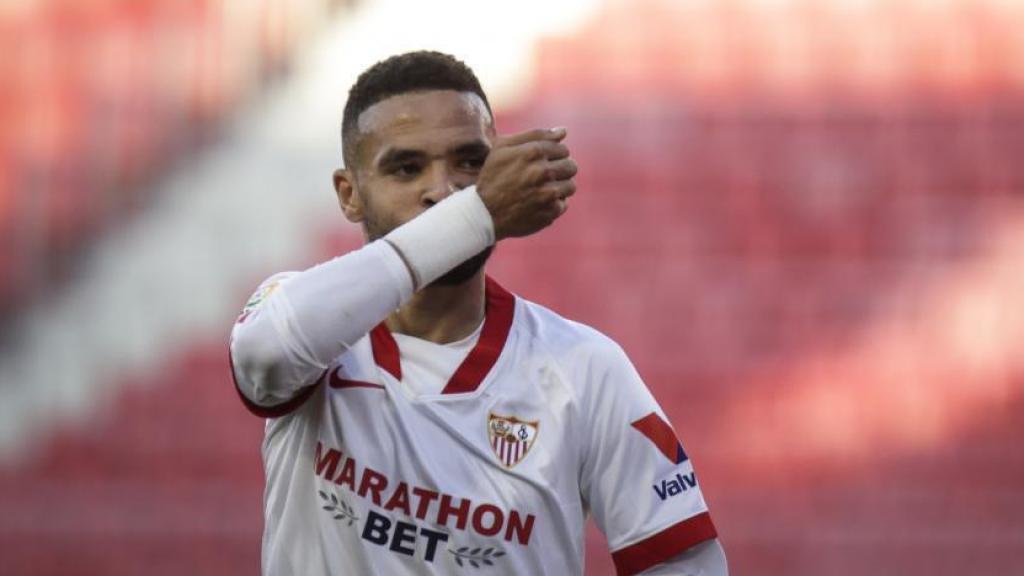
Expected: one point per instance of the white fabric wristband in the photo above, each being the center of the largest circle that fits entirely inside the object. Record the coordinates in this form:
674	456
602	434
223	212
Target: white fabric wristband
450	232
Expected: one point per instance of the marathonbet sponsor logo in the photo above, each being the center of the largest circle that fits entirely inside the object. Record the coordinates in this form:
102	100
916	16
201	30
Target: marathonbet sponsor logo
415	520
510	438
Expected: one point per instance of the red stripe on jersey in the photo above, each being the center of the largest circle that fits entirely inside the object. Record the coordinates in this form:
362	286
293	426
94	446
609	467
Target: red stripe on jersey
664	545
499	310
385	350
659	432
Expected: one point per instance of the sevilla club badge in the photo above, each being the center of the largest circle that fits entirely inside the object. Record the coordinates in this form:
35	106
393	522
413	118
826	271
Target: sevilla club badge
510	437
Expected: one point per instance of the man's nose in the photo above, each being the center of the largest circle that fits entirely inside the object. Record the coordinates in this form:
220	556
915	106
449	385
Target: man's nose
438	188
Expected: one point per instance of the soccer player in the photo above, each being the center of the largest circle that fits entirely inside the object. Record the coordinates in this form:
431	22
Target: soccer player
422	419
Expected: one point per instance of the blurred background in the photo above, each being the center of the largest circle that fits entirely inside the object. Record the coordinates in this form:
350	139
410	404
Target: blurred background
803	219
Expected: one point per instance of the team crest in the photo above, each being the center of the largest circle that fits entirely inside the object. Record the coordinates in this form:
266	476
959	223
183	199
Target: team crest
511	438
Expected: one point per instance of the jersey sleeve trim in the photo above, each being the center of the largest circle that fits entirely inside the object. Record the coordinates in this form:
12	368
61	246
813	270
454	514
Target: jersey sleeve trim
277	410
664	545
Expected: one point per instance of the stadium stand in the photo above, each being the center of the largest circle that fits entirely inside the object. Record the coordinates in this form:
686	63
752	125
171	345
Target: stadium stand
781	219
102	97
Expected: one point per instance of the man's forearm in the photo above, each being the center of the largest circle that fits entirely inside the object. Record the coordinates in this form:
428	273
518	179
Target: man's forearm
319	313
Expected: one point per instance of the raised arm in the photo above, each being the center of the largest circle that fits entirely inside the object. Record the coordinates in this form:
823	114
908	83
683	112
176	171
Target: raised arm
297	323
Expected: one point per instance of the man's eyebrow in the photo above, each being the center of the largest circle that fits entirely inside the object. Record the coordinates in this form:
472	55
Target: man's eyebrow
399	155
476	147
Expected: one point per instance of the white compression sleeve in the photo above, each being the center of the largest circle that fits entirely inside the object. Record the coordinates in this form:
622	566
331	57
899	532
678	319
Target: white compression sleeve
315	315
456	229
289	338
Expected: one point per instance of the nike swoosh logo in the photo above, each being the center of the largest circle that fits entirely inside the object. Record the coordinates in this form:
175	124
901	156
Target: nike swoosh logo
338	382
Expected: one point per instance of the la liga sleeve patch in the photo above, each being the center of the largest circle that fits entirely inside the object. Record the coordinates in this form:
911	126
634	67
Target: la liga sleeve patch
258	297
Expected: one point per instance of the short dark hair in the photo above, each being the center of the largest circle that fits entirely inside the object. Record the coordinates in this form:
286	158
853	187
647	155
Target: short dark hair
410	72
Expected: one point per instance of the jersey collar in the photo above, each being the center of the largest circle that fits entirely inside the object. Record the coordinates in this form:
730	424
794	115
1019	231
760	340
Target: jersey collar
499	309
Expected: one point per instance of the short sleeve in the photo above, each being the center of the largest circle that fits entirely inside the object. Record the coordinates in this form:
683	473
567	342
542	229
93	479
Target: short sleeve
637	479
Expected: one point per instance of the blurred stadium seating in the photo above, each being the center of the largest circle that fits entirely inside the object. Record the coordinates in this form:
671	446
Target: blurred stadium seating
803	220
780	231
101	97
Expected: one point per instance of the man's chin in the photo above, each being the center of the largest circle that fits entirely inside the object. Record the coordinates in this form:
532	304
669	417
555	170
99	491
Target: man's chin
464	272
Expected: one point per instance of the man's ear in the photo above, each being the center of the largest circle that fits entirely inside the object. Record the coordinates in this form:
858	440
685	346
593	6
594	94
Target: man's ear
348	197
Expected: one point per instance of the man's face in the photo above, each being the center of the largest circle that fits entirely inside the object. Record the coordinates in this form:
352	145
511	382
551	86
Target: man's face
412	151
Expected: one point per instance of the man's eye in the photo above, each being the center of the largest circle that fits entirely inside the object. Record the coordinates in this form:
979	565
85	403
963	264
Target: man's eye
407	169
471	163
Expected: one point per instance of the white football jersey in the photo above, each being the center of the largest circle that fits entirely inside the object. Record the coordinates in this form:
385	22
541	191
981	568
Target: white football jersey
544	420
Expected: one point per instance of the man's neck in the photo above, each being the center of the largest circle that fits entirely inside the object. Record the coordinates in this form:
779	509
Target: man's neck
442	314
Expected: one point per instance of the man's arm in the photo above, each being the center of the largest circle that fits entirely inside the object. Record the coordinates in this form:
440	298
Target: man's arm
284	342
287	340
629	447
704	559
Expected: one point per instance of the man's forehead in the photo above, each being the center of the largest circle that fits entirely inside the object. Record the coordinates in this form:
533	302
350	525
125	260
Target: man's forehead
435	109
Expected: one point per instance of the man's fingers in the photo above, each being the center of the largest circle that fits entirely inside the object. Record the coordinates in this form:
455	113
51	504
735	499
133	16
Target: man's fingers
559	207
568	188
554	150
550	134
543	149
560	189
563	206
526	181
561	169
